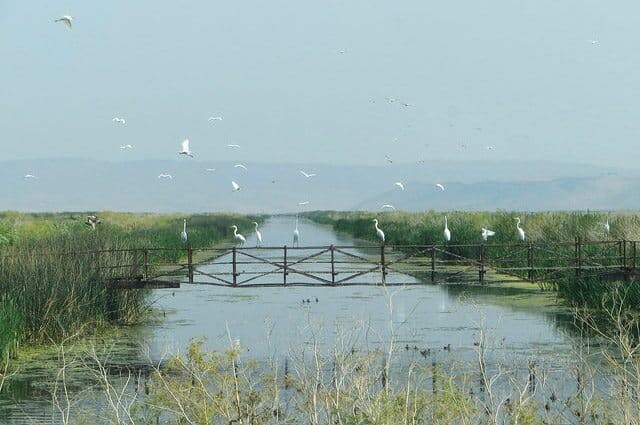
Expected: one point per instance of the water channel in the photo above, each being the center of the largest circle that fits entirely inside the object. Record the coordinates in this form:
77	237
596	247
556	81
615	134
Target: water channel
270	322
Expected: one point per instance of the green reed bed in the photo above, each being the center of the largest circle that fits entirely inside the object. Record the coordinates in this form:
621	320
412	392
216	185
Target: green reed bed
53	275
563	228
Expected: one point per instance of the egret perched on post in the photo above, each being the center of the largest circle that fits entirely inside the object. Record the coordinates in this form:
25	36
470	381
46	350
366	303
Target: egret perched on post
607	228
486	233
520	230
258	235
447	232
296	234
237	235
379	232
183	234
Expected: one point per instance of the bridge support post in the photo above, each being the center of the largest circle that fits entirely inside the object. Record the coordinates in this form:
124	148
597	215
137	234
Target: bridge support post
190	262
433	263
481	270
578	256
146	263
284	268
234	266
383	266
333	266
530	263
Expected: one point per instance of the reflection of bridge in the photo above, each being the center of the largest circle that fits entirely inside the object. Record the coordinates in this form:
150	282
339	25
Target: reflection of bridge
370	265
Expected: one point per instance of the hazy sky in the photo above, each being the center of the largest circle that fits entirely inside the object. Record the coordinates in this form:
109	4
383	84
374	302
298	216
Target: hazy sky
310	81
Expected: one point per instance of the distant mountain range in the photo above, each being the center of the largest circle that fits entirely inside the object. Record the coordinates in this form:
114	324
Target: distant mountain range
90	185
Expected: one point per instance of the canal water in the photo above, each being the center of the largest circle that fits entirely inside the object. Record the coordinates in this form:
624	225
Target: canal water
279	322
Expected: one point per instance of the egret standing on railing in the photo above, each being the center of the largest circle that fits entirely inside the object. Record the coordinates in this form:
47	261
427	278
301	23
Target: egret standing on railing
379	232
183	234
447	232
296	234
520	230
258	235
237	235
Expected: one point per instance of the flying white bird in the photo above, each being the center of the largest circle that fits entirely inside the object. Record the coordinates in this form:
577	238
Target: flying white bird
67	20
400	185
491	148
441	186
607	228
123	147
520	230
235	186
210	169
307	175
593	41
184	148
388	206
29	176
486	233
215	119
233	146
119	120
165	176
379	232
258	235
237	235
183	234
447	232
303	203
388	158
296	235
241	166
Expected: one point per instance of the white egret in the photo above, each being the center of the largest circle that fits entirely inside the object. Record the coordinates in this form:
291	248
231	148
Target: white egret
388	206
119	120
486	233
67	20
447	232
491	148
183	234
440	185
379	232
520	230
165	176
296	234
92	220
235	186
233	146
400	185
29	176
307	175
125	147
237	235
244	167
184	148
258	235
388	159
210	169
303	203
215	119
607	228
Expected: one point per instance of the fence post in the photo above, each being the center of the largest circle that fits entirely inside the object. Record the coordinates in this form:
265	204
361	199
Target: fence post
578	250
190	262
235	266
383	265
530	262
284	269
633	258
433	263
624	254
333	266
481	265
146	263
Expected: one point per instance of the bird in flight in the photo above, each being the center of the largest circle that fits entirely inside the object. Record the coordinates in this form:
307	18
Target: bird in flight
29	176
486	233
124	147
165	176
440	185
210	169
235	186
307	175
388	206
119	120
388	158
233	146
214	119
400	185
67	20
303	203
184	149
244	167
